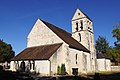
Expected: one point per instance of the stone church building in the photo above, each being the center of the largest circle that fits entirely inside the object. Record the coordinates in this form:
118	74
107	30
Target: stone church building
49	46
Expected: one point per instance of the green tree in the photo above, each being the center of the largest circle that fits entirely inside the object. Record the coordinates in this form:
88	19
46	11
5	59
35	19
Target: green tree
101	45
113	54
59	70
6	52
63	69
116	34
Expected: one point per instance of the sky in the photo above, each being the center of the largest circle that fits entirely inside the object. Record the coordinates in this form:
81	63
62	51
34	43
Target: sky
17	17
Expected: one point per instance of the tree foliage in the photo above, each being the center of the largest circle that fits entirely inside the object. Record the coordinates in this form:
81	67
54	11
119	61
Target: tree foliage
101	45
113	54
6	52
116	50
61	70
116	34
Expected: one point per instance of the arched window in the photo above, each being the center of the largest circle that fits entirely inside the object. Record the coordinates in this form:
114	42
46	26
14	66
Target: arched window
81	22
76	56
76	26
79	37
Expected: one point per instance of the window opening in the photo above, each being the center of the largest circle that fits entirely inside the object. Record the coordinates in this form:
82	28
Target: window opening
76	58
79	37
77	26
81	22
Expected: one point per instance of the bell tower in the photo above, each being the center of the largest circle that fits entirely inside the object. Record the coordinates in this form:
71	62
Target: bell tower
82	31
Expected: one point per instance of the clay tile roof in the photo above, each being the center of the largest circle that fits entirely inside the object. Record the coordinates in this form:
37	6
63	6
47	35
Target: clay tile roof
66	37
38	52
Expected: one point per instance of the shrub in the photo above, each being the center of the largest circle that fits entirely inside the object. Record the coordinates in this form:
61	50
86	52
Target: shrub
58	70
63	69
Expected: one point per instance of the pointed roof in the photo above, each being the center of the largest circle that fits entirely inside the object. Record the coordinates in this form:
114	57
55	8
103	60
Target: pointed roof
38	53
83	15
66	37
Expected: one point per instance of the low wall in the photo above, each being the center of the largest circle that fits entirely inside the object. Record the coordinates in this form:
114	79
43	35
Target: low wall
115	68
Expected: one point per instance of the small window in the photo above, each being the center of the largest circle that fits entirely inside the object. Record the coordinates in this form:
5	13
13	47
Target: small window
78	13
89	22
81	22
76	56
29	63
89	28
79	37
76	26
33	65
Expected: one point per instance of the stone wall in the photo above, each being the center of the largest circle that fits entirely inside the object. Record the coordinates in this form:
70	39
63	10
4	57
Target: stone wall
41	35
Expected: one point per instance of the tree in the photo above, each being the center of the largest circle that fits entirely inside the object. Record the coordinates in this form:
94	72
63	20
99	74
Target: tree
59	70
101	45
6	52
116	34
113	54
63	69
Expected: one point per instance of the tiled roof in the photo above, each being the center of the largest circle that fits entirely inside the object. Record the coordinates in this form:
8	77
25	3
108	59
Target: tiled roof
66	37
46	51
38	52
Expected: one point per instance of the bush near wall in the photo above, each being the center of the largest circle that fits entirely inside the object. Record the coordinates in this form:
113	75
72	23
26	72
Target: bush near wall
61	70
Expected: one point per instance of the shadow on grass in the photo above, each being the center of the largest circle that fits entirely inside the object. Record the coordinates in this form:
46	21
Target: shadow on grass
113	76
9	75
74	78
107	76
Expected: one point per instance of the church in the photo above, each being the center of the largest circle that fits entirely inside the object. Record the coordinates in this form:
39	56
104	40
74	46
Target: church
48	47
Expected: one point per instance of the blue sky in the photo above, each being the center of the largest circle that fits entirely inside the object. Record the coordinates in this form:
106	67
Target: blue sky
17	17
